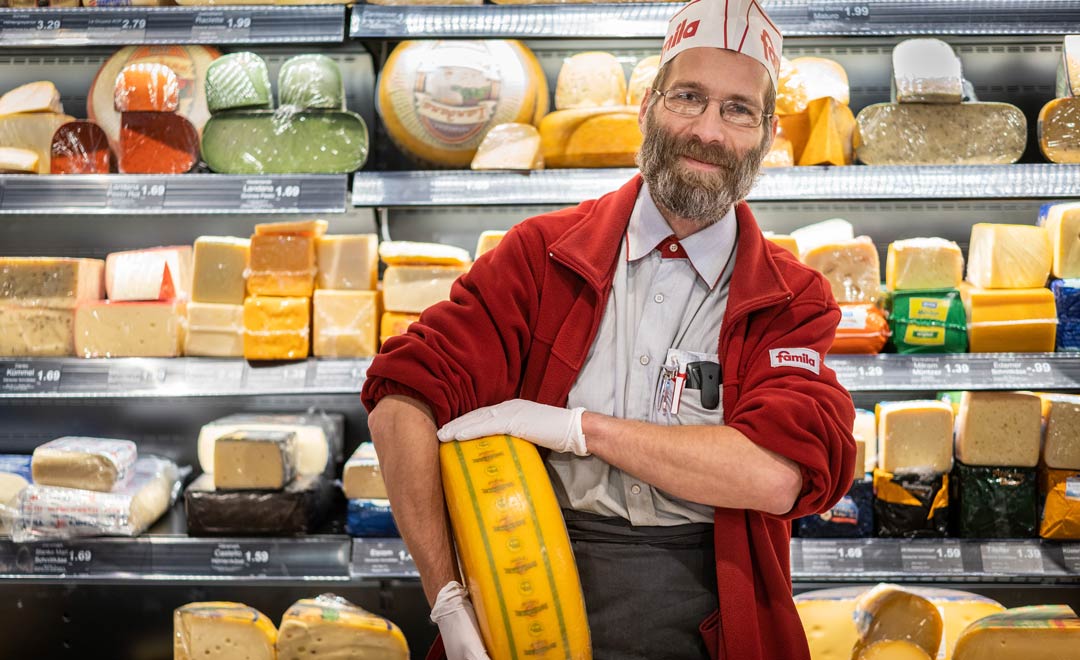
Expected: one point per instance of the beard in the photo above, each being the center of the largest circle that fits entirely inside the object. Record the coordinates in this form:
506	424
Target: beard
700	197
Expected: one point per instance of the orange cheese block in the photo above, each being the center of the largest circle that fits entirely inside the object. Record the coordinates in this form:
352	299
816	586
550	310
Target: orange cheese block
863	329
146	87
832	126
781	154
282	265
80	147
796	128
156	143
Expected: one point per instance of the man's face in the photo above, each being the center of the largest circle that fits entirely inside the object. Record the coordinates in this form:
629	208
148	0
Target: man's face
698	167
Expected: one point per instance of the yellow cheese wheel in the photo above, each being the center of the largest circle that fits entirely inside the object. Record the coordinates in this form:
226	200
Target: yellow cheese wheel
514	550
890	613
439	98
591	137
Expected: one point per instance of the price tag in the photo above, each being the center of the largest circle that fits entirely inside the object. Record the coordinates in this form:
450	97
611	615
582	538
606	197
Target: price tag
130	28
241	558
25	26
839	12
30	377
140	196
89	376
217	375
367	20
935	558
126	378
382	558
858	373
826	557
1071	554
277	377
1016	558
340	375
218	26
270	194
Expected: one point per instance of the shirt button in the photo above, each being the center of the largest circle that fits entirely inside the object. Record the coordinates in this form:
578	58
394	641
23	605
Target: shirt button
674	247
658	298
644	360
635	489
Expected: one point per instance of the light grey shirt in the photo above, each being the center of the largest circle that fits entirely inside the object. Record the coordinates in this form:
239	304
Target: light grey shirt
656	304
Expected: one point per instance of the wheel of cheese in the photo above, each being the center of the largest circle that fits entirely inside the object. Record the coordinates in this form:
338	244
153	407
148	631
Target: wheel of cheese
189	63
439	98
514	550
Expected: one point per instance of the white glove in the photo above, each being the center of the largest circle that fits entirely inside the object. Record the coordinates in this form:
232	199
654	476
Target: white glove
558	429
454	615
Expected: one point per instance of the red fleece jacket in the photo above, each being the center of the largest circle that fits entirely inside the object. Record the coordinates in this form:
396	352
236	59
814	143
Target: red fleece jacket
520	325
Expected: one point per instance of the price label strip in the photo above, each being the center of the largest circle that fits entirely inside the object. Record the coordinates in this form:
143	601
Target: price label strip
23	27
242	559
829	557
127	28
91	558
1013	558
345	375
136	196
839	12
271	194
277	377
1071	558
932	557
220	375
216	26
30	377
386	558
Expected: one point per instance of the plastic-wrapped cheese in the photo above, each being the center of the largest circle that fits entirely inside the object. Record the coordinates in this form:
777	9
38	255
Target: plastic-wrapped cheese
1010	320
408	253
1061	448
589	80
318	437
34	132
41	96
393	324
851	267
311	81
781	153
1061	510
915	435
641	79
222	631
129	329
156	143
14	477
36	331
999	428
54	283
1067	299
1062	223
146	87
1039	632
591	137
214	330
413	289
863	329
822	233
1009	256
926	71
154	274
805	79
329	626
345	323
98	464
266	142
1059	130
277	328
18	161
1068	75
80	147
347	261
362	477
254	460
888	612
923	263
510	147
281	265
219	265
488	240
238	80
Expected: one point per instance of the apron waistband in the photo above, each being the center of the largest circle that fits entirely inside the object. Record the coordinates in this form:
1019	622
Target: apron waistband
591	528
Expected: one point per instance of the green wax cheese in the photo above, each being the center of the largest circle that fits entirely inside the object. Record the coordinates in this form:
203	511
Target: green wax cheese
995	502
930	321
265	142
238	80
311	82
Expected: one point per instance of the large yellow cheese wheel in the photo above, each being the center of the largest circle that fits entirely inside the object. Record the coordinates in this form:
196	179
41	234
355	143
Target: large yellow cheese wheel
514	550
591	137
439	98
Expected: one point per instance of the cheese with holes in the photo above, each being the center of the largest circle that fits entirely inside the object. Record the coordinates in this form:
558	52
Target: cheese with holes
146	87
641	79
509	147
346	324
33	132
319	437
591	137
1062	223
851	267
347	261
413	289
362	477
923	263
893	650
99	464
590	80
281	265
55	283
1010	320
238	80
785	241
222	631
805	79
156	143
254	460
393	324
1061	449
155	274
329	626
513	548
1068	74
1009	256
19	161
129	329
219	264
214	330
311	81
922	134
36	331
999	428
398	253
830	138
80	147
888	612
926	71
276	328
488	241
1039	632
865	429
915	435
41	96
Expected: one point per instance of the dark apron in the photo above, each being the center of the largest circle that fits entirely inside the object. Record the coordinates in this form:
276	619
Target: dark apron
646	589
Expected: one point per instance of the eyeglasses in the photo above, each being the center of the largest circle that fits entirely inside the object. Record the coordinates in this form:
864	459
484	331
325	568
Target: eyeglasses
689	103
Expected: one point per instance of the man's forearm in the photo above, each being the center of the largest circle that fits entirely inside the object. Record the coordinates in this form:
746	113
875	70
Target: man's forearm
713	465
403	431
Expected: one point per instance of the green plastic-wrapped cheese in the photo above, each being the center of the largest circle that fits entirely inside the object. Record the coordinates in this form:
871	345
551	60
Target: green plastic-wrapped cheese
238	80
265	142
311	82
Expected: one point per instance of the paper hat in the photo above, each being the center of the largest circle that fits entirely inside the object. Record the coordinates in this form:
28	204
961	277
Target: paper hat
738	25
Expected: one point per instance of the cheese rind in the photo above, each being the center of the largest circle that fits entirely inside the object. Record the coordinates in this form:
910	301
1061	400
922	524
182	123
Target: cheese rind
806	79
923	263
851	267
219	266
222	631
1040	632
156	143
329	626
41	96
915	435
1010	320
926	71
362	477
214	330
888	612
348	261
281	265
893	650
254	460
238	80
54	283
865	429
1061	448
591	137
413	289
19	161
312	228
509	147
589	80
271	142
999	429
142	275
80	147
276	328
1062	223
393	324
36	331
129	329
1009	256
98	464
829	141
346	323
811	237
488	241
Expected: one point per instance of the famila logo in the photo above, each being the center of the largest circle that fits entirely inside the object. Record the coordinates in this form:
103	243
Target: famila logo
686	30
799	358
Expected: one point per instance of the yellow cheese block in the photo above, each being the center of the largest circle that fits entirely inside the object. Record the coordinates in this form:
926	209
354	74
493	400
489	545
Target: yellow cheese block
129	329
303	227
805	79
888	612
219	266
1004	320
1004	256
36	331
33	131
400	253
590	80
513	547
1040	632
39	96
893	650
1062	223
332	627
641	80
923	263
591	137
915	435
1059	130
348	261
785	241
346	323
510	147
222	631
18	161
413	289
55	283
796	128
852	268
214	330
281	265
999	429
276	328
488	240
393	324
781	153
831	128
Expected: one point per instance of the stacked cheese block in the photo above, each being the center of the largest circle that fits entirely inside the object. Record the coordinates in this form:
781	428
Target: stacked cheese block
1062	223
280	282
926	315
38	299
816	124
1059	467
91	487
1058	119
154	137
266	474
369	509
928	121
324	627
417	276
29	116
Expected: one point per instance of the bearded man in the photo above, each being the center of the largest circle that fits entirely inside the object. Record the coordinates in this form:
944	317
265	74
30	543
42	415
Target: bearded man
668	356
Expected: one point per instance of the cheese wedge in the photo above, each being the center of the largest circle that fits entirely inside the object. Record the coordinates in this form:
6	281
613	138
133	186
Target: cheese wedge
923	263
832	126
332	627
1009	256
18	161
591	137
155	274
851	267
806	79
41	96
1062	223
222	631
510	147
926	71
890	613
33	132
781	153
915	435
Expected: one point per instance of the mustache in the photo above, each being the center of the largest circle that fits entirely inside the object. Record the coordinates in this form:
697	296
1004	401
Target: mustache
712	154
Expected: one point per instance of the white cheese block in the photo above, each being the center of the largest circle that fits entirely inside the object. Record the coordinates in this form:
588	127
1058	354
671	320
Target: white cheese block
36	332
396	253
345	323
156	274
923	263
218	266
412	289
129	329
18	161
813	236
642	78
41	96
254	460
362	478
33	132
926	71
1061	449
852	268
915	436
347	261
332	627
214	330
488	240
318	437
590	80
1068	80
1062	223
222	631
999	429
99	464
1009	256
510	147
866	430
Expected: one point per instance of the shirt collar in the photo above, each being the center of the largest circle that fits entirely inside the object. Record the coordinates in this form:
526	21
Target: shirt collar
709	249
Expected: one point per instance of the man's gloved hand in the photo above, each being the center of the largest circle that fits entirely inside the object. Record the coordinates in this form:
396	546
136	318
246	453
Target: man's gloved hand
558	429
453	613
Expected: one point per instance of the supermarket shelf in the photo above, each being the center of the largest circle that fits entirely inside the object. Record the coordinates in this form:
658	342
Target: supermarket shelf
177	194
175	377
960	371
106	26
796	18
467	188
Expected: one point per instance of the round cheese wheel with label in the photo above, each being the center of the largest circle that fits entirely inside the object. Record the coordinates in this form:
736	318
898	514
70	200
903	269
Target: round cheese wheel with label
189	63
438	99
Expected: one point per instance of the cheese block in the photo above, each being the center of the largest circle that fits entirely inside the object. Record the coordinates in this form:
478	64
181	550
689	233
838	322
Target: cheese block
1058	138
300	508
80	147
641	79
796	129
1061	510
1068	73
865	429
262	142
362	478
393	324
863	329
276	328
345	324
36	331
370	518
926	71
413	289
921	134
928	321
590	80
408	253
254	460
1067	299
156	143
995	502
319	437
222	631
830	139
851	267
214	330
1009	256
189	63
129	329
1006	320
1061	449
311	82
781	153
146	87
14	477
99	464
281	265
218	269
155	274
1039	632
24	161
1062	223
33	132
923	263
911	505
591	137
805	79
893	650
438	99
509	147
41	96
915	435
488	241
312	228
238	80
513	548
347	261
999	428
55	283
823	233
785	241
888	612
330	626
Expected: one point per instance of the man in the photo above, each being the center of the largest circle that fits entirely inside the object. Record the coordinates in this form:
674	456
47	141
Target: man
668	356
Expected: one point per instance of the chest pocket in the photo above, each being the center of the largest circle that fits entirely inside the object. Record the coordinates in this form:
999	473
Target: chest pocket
701	398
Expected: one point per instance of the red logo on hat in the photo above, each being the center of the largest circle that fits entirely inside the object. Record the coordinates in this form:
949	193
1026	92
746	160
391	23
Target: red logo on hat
684	31
769	50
